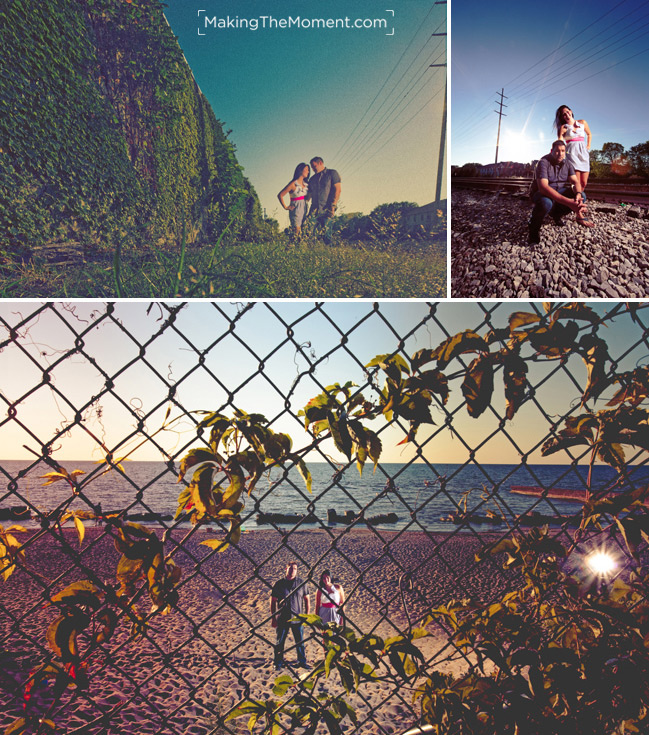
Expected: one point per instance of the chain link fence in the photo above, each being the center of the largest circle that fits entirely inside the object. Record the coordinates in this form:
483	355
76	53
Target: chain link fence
103	401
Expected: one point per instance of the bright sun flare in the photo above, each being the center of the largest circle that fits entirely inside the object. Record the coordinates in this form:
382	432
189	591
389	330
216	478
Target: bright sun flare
600	563
520	147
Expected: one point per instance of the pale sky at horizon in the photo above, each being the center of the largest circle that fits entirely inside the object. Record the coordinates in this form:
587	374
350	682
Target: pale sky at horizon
367	102
232	355
592	57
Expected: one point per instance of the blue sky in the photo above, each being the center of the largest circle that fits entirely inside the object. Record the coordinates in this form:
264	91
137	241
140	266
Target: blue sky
367	102
234	342
591	56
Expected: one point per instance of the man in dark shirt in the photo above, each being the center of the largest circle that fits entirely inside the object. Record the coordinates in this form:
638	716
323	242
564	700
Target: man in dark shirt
324	192
289	597
556	191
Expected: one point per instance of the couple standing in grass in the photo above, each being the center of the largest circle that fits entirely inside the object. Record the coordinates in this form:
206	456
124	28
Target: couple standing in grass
322	190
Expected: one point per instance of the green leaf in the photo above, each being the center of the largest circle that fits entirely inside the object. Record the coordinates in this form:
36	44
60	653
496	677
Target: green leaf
61	637
422	357
478	385
611	453
247	707
193	458
331	655
217	544
341	436
556	340
631	532
576	310
373	446
306	474
514	378
459	344
183	499
385	361
435	381
578	430
83	593
522	319
17	727
347	678
282	684
595	357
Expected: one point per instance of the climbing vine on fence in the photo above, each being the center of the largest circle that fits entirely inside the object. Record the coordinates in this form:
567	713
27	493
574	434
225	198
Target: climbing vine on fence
105	135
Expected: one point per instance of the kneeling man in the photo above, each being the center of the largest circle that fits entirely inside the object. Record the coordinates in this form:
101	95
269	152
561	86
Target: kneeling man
555	191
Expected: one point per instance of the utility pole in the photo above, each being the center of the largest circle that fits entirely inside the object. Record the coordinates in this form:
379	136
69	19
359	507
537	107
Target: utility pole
500	114
442	141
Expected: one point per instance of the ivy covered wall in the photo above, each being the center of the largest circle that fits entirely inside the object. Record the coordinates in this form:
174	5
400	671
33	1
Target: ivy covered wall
104	134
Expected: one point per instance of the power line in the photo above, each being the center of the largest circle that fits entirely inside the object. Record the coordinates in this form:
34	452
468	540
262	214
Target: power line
386	121
462	130
342	147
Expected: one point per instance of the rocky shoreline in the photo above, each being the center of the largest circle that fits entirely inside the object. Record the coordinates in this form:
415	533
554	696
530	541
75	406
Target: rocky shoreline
490	256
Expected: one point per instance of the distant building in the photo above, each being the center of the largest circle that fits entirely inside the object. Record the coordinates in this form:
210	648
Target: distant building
506	168
425	216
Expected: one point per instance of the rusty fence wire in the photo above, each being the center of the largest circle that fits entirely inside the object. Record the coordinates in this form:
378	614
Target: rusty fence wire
102	401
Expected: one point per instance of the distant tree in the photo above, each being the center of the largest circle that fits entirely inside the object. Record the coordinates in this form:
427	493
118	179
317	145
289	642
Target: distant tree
468	169
383	222
384	211
611	151
598	168
639	157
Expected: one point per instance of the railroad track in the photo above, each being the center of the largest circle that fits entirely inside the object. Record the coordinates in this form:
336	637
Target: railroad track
619	193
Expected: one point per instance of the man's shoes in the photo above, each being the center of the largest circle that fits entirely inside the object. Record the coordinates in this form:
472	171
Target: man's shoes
534	237
558	221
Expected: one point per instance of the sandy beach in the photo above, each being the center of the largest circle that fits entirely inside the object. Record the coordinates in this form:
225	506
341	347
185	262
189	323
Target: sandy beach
215	648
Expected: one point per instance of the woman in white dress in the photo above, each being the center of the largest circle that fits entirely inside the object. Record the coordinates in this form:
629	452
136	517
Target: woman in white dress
328	599
577	137
297	189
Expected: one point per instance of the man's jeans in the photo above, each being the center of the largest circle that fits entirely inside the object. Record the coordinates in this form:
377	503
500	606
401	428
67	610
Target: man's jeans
324	225
544	205
282	632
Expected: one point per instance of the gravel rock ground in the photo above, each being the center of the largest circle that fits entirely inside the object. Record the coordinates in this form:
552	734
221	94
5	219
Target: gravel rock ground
490	256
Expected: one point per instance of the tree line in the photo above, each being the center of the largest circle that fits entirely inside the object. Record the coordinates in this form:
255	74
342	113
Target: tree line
611	161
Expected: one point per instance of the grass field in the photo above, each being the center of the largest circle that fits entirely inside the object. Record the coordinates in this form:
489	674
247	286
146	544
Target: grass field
256	270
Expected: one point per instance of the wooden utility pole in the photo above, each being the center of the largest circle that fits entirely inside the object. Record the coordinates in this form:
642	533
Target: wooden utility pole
442	141
500	114
442	146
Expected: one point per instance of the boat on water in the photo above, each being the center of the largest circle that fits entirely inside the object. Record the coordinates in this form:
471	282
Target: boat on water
556	493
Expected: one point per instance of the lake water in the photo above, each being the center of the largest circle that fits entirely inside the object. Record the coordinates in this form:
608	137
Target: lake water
419	494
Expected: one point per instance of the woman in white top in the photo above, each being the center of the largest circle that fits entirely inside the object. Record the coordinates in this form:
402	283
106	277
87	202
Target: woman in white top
328	599
577	137
297	189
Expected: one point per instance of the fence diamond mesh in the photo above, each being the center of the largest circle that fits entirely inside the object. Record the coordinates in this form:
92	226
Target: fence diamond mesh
131	599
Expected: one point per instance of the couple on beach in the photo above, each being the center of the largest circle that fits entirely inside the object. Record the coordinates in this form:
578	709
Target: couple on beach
290	597
561	175
322	191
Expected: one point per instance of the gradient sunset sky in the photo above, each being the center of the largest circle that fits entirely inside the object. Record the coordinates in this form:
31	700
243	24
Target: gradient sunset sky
213	351
366	101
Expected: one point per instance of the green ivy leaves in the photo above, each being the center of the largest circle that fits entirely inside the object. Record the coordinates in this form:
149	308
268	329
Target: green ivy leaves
240	450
